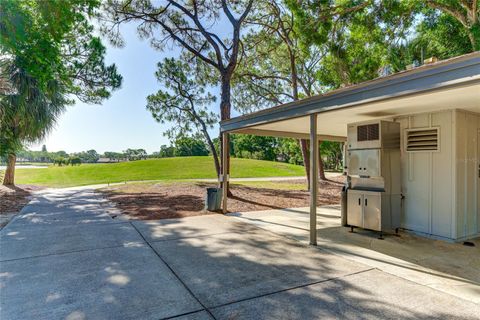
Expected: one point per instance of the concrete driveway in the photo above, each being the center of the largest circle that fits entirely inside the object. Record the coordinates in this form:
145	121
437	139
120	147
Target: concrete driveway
67	256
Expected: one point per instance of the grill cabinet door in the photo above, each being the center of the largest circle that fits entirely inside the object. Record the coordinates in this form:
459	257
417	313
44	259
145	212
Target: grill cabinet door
372	213
354	208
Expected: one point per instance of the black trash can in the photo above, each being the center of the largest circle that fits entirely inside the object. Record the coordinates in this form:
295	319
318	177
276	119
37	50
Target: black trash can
213	201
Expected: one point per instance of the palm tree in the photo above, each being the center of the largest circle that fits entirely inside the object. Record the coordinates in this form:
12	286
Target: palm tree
27	111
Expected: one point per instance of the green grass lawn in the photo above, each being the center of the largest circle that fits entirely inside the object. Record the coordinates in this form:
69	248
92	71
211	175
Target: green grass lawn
44	164
154	169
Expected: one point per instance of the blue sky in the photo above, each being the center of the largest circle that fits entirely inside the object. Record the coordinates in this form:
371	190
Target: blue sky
122	121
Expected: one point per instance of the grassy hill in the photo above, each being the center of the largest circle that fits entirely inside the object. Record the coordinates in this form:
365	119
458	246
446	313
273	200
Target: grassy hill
154	169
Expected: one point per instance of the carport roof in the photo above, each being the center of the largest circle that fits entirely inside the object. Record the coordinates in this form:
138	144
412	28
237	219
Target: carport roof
447	84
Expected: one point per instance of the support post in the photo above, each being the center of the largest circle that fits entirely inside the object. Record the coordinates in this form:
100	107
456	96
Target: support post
313	179
225	151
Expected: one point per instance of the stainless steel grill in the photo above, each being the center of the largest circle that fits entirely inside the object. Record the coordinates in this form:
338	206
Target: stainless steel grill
373	176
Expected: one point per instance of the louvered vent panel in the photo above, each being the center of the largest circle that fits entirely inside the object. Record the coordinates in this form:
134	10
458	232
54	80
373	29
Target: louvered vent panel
422	140
362	133
368	132
374	131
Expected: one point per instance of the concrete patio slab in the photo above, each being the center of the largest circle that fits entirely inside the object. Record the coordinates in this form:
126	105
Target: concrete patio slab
292	222
449	267
224	268
168	229
113	283
367	295
47	239
202	315
5	218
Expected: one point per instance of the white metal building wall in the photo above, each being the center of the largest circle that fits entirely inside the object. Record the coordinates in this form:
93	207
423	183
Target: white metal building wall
441	188
428	177
467	174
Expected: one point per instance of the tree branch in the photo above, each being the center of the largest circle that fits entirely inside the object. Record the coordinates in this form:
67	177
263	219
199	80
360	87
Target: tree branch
184	43
450	10
203	31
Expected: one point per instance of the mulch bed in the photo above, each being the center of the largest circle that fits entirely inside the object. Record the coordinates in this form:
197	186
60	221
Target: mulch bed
160	201
13	199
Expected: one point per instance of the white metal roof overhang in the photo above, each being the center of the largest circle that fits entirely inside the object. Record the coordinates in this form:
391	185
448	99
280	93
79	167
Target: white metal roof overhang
449	84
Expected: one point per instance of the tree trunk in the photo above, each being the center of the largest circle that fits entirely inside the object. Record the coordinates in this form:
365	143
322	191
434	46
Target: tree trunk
210	143
214	153
227	165
306	159
225	108
469	21
321	168
303	142
471	32
9	179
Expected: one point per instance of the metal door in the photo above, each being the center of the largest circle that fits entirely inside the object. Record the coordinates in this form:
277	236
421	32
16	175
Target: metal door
354	208
372	204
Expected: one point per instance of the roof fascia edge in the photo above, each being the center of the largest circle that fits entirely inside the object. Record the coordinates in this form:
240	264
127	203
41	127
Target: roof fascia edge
426	80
